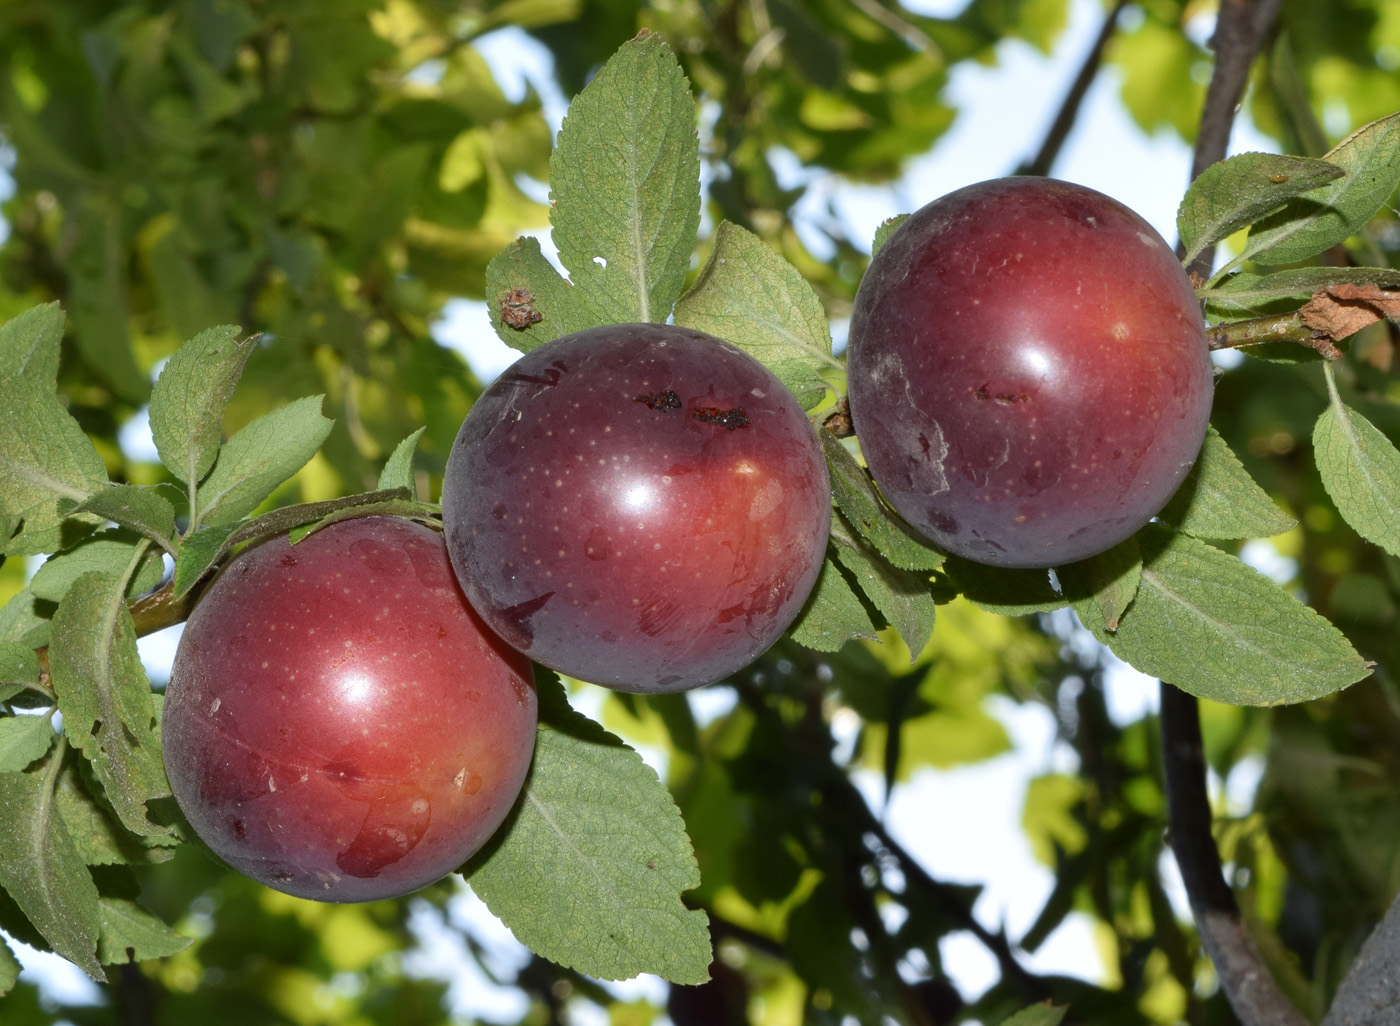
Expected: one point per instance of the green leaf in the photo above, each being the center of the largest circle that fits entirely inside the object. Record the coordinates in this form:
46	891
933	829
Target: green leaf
141	509
131	934
1038	1015
22	740
1002	590
100	839
590	869
1238	191
522	285
398	468
30	342
858	501
21	623
750	296
108	552
260	457
189	399
105	696
1218	498
625	184
42	871
199	551
1360	469
901	597
18	664
9	968
834	614
1250	290
884	230
44	458
1102	586
1310	224
1220	630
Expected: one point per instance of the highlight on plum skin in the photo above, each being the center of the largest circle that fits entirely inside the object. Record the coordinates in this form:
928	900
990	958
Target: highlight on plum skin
339	723
639	506
1029	375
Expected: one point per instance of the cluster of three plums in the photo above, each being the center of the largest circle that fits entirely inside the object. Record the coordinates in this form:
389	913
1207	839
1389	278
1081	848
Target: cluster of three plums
647	507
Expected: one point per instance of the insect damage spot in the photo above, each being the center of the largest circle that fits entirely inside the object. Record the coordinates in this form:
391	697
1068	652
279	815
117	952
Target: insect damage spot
518	309
1004	398
727	419
667	400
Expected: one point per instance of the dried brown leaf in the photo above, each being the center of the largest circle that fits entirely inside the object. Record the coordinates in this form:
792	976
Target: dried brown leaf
1344	309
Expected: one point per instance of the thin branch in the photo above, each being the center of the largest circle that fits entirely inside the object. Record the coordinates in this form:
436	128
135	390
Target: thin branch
1285	327
1251	990
1240	30
1060	128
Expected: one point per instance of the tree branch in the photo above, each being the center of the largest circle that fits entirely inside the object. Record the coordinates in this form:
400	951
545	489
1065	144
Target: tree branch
1060	128
1239	33
1250	989
1370	992
1285	327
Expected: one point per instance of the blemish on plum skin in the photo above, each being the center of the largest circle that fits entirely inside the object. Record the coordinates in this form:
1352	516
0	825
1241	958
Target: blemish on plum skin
727	419
662	401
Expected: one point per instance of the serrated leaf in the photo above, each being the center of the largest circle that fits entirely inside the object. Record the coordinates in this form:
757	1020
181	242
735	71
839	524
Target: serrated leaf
130	933
97	836
141	509
861	505
901	597
21	623
1038	1015
44	458
42	871
1010	592
105	696
199	551
30	343
1221	630
398	468
750	296
884	230
1360	469
1238	191
18	664
9	968
107	552
523	286
1101	587
1218	498
590	869
22	740
260	457
1310	224
625	184
1248	290
833	615
189	399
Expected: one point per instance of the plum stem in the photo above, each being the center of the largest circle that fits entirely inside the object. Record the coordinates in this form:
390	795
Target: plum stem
1284	327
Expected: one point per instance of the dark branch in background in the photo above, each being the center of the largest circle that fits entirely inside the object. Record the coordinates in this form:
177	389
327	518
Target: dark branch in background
1074	99
1370	993
1248	985
1240	30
